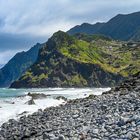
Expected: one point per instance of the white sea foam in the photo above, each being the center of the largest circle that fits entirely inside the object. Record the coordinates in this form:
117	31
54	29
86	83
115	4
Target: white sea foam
13	107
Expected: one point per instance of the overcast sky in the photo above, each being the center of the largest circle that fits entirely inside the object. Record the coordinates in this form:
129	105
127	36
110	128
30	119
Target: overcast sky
23	23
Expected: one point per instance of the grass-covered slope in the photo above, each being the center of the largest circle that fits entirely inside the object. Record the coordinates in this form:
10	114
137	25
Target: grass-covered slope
81	60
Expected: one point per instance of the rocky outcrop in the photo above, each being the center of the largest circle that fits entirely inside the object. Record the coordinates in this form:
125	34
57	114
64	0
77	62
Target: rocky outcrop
35	96
61	98
70	73
30	102
129	85
56	68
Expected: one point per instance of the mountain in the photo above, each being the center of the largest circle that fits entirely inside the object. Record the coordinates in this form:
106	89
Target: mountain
18	65
81	61
136	37
86	28
121	27
1	65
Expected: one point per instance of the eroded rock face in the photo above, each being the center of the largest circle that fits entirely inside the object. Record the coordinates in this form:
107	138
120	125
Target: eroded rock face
131	84
70	73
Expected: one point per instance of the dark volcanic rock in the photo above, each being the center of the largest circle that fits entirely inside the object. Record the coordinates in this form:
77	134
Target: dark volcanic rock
131	84
61	97
37	95
30	102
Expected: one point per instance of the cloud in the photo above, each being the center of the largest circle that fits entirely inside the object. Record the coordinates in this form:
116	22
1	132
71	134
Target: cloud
6	55
18	41
11	44
25	22
44	17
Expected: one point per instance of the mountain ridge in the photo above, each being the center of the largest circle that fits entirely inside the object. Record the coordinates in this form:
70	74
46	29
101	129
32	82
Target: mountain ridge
121	27
18	65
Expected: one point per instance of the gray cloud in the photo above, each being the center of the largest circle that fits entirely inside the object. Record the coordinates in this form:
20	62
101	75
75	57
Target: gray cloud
44	17
18	41
10	44
25	22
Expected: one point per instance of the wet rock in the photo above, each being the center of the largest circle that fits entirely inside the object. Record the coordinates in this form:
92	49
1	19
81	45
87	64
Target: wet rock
61	97
37	95
61	137
91	96
30	102
23	113
83	136
9	102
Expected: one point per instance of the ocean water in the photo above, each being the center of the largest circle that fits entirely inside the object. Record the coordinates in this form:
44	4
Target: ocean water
13	102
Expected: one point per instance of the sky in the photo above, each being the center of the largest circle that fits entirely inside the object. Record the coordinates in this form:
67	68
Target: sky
23	23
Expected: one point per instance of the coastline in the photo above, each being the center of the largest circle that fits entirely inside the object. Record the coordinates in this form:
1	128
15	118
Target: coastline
113	115
16	103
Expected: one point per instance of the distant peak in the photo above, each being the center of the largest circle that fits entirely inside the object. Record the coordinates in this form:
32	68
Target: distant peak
98	23
38	44
59	36
135	13
58	39
59	32
85	24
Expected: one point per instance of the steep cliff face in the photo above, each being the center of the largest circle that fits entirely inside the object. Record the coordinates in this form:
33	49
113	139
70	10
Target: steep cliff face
60	71
66	61
18	65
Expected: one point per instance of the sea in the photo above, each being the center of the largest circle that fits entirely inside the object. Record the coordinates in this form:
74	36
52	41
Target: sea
13	102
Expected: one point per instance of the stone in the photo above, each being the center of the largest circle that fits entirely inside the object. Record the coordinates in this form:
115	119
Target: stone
35	96
48	136
61	97
96	131
30	102
61	137
135	138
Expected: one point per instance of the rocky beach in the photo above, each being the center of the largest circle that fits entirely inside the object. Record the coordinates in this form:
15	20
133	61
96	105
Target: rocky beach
115	115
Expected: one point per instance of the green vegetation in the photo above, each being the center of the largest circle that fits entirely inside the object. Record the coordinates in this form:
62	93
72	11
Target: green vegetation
112	56
76	80
82	61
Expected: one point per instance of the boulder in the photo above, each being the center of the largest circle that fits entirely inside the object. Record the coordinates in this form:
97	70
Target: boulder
37	95
30	102
61	97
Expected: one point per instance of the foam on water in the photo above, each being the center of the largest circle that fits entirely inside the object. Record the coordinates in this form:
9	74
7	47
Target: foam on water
13	101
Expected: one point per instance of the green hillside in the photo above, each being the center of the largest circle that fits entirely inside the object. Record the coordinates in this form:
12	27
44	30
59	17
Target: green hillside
81	60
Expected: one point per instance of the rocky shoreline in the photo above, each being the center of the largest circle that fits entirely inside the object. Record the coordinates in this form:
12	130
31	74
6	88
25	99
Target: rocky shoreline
115	115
